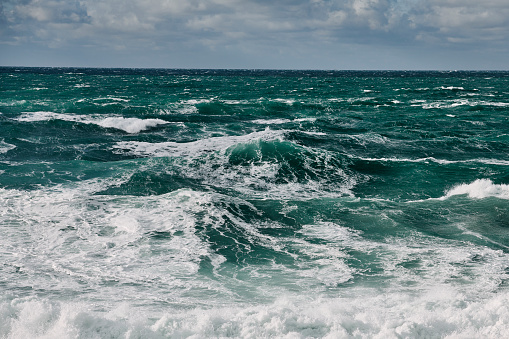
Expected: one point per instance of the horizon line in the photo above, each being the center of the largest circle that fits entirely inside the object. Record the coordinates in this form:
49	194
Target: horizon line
262	69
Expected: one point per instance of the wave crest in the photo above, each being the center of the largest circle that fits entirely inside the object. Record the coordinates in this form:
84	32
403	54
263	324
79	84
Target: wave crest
480	189
129	125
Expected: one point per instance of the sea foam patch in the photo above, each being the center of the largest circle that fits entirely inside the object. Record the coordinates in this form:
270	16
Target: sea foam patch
5	147
129	125
165	149
439	314
72	235
441	104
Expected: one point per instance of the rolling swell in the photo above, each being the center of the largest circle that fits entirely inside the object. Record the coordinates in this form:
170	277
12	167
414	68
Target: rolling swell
258	167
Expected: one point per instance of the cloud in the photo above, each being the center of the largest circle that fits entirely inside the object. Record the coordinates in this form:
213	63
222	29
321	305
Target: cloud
252	26
467	21
225	19
44	11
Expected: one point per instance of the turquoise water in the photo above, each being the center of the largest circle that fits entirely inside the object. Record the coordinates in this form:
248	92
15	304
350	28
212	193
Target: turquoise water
291	204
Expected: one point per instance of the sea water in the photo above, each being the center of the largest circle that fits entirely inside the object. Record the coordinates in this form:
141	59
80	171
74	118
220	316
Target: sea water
138	203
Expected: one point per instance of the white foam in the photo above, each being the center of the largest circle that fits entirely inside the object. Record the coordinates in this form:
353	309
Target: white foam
289	102
129	125
235	102
188	110
5	147
498	104
271	121
281	121
354	100
98	276
460	102
305	119
111	98
197	101
371	316
480	189
166	149
45	116
441	313
440	161
314	133
13	103
256	178
68	231
451	88
367	138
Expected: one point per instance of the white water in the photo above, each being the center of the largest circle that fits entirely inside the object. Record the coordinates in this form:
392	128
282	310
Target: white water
256	178
81	265
5	147
441	313
129	125
480	189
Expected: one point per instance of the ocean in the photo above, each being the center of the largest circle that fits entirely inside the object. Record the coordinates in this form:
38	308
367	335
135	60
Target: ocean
171	203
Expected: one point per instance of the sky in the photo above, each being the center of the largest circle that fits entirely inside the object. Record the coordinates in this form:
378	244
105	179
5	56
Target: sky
257	34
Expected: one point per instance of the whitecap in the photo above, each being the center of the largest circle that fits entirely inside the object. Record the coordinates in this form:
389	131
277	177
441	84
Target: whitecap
439	161
165	149
271	121
5	147
438	313
129	125
498	104
254	178
305	119
285	101
235	102
480	189
457	103
451	88
281	121
46	116
13	103
354	100
367	138
197	101
314	133
112	98
120	284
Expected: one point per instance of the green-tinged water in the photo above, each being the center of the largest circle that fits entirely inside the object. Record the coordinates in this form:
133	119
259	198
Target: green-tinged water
248	204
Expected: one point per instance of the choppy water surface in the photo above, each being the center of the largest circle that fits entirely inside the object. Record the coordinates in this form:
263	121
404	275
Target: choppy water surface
289	204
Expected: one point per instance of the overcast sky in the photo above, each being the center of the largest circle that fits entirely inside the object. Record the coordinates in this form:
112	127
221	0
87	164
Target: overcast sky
276	34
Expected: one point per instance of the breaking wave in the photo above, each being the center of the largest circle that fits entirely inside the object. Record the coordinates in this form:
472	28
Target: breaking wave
129	125
480	189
